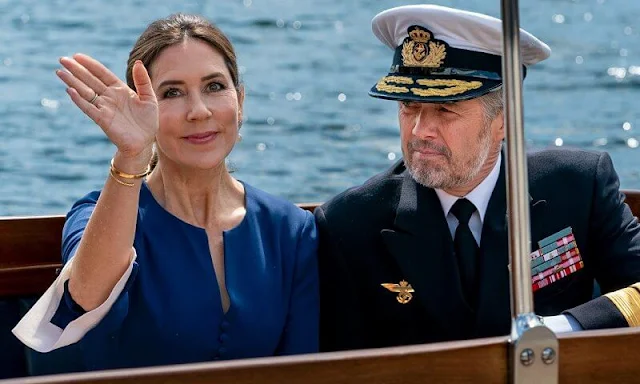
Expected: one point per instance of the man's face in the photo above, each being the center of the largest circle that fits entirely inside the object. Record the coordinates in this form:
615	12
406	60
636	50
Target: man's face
446	146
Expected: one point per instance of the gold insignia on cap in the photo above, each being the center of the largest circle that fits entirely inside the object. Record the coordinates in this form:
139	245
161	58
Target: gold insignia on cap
403	290
446	87
418	50
385	84
434	87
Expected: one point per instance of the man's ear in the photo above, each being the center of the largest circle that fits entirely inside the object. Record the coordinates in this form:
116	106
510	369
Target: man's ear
497	126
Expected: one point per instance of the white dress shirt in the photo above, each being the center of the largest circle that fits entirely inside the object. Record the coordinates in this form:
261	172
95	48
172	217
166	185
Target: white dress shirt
480	197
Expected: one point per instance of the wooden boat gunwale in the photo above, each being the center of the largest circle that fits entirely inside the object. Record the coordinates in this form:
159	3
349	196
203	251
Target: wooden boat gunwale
586	357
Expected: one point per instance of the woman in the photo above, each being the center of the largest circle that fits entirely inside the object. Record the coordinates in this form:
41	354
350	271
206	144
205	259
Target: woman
179	263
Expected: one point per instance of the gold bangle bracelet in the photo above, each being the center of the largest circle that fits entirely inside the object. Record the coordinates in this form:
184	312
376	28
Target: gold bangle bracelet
116	172
115	177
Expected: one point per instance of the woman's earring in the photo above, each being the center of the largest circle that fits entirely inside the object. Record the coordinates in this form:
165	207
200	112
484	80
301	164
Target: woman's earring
239	139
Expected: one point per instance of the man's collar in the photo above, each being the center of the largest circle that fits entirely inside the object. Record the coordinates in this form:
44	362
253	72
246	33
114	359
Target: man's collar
479	196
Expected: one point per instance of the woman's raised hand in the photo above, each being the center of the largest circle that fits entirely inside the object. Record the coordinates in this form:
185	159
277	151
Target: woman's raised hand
129	119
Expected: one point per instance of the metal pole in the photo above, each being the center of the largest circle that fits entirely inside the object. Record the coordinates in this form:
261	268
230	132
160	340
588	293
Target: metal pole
517	181
533	347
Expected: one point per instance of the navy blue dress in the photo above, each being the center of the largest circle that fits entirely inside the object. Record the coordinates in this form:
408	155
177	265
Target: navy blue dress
170	310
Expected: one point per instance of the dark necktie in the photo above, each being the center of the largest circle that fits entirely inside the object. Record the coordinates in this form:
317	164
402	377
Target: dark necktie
466	248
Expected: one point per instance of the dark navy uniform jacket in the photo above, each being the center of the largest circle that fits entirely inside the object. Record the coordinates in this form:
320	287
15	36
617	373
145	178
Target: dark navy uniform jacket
392	229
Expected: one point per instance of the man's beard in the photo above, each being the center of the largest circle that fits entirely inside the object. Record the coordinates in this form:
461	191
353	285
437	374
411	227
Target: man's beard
456	175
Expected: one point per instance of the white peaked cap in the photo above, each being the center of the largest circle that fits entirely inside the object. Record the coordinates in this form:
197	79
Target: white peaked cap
460	29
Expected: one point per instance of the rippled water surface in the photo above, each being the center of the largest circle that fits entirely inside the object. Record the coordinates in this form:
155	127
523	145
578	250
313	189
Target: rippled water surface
310	128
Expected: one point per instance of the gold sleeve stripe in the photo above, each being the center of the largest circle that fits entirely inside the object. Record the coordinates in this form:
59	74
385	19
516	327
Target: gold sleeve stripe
627	301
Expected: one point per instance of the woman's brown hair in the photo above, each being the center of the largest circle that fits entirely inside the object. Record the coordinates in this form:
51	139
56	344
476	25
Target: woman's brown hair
175	29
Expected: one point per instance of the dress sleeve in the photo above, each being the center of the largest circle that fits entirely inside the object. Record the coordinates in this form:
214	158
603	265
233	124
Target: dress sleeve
55	320
301	331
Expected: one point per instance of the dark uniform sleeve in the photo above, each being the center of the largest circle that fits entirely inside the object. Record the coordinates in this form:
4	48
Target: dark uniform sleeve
341	318
615	239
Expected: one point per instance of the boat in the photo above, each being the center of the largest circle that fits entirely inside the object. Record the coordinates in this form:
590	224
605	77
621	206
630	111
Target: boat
29	262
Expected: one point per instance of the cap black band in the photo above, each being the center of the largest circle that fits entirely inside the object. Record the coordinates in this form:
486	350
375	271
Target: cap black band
459	62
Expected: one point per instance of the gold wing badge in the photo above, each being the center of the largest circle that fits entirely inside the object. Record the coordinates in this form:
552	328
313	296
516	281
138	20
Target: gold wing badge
403	290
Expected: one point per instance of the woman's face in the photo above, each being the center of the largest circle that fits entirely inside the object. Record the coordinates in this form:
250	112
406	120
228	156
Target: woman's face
199	106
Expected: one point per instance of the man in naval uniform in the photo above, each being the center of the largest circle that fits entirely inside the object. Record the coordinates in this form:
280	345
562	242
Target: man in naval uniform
419	253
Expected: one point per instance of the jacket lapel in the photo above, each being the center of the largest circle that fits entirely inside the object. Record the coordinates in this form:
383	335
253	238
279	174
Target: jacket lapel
494	310
421	244
494	314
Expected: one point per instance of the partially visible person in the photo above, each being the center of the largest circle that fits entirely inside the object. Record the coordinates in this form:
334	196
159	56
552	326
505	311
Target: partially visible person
419	253
174	260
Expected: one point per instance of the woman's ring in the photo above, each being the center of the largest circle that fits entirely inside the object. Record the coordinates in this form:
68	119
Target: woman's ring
95	97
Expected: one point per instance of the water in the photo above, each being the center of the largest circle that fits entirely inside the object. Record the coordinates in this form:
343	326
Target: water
310	128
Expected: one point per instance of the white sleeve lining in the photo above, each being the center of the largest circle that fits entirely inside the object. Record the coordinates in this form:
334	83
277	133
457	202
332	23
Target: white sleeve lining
35	329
